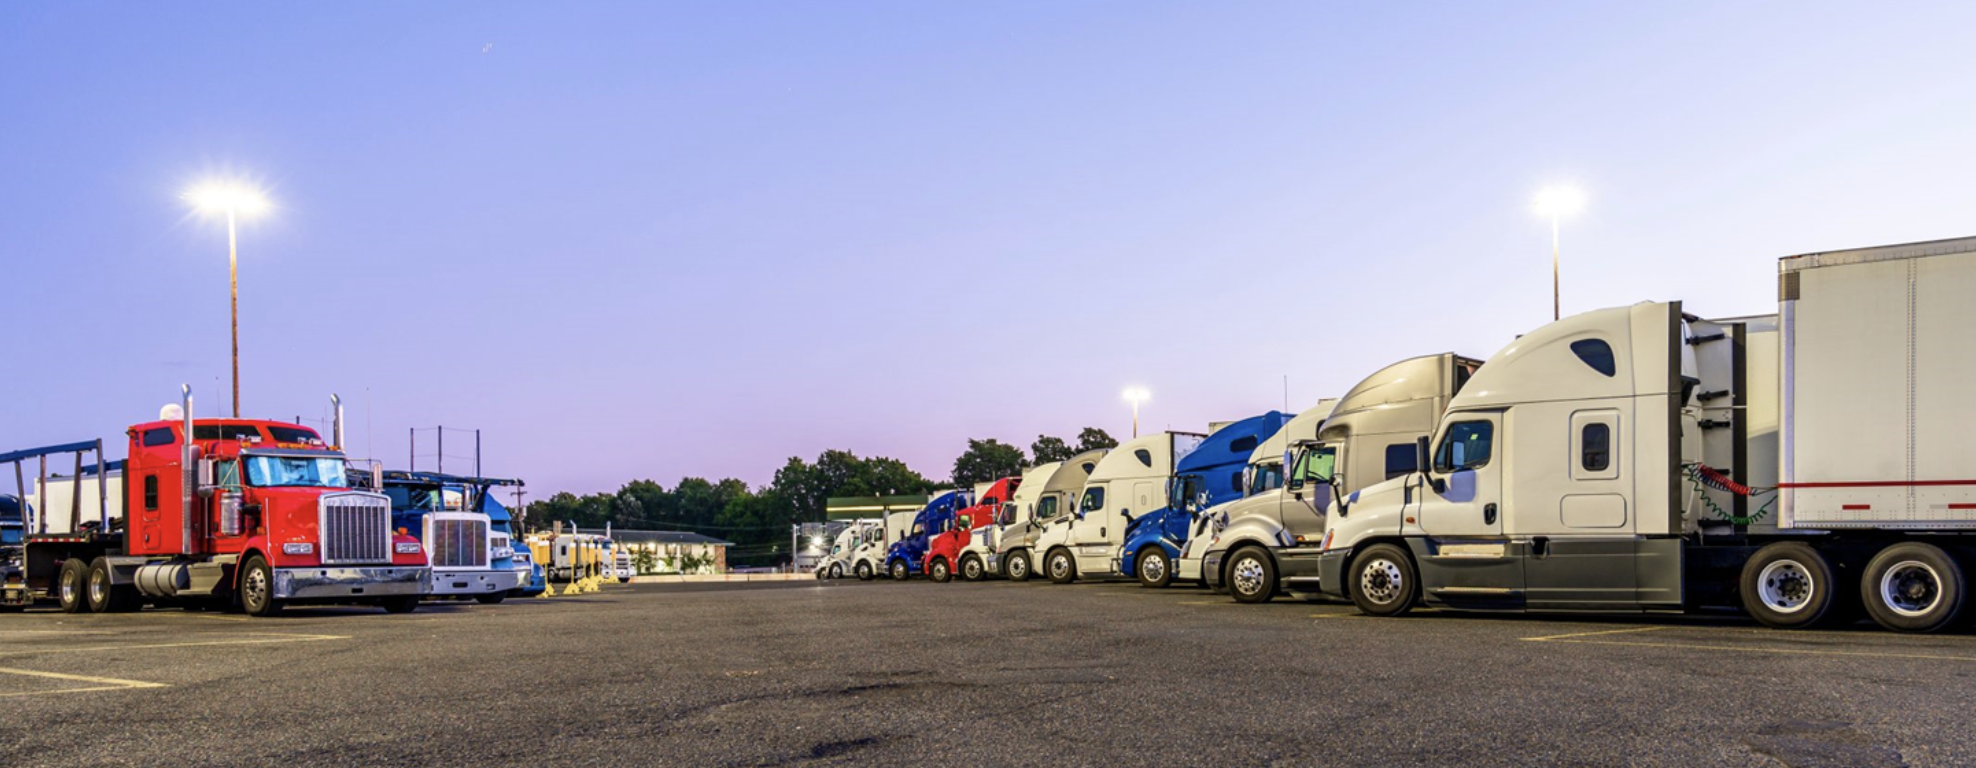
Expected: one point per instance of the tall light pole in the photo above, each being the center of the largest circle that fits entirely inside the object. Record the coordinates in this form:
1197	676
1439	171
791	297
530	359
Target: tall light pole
1135	396
233	200
1555	202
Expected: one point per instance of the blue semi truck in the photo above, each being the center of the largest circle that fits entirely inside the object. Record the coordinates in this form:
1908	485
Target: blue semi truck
533	579
1213	473
471	556
904	558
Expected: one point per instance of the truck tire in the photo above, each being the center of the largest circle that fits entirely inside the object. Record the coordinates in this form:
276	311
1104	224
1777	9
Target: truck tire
1154	568
105	595
493	599
836	570
72	585
939	571
1789	585
1251	576
1017	566
1384	581
971	568
864	570
900	571
1913	587
1060	566
402	604
257	588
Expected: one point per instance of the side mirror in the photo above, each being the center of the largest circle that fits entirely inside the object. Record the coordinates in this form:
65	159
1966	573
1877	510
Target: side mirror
1422	457
1440	485
206	469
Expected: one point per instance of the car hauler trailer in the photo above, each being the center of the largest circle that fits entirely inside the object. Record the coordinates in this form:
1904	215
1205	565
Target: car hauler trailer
1133	476
1212	474
254	513
1596	463
1263	476
469	555
943	553
1270	541
1052	504
906	554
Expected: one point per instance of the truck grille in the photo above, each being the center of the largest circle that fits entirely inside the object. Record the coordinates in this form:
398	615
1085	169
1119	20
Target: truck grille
457	543
356	528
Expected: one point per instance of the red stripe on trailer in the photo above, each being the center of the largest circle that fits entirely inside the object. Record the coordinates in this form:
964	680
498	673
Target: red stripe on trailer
1879	484
1962	506
1855	507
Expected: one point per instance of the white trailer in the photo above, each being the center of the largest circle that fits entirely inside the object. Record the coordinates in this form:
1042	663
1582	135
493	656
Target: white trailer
1639	459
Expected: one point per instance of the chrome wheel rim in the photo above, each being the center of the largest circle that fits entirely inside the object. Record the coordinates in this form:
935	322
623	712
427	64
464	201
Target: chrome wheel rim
1018	567
972	569
1247	575
1911	588
1381	581
1059	566
899	571
254	588
940	570
1786	586
68	592
1153	567
99	587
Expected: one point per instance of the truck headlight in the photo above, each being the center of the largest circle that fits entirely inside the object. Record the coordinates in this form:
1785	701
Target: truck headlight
408	547
304	548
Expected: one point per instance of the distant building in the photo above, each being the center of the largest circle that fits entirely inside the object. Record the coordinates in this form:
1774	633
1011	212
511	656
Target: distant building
673	551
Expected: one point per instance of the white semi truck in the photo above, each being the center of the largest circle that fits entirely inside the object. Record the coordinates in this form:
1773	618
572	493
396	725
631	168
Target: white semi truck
1039	505
838	561
868	560
1270	543
1012	522
1262	484
1638	459
1130	480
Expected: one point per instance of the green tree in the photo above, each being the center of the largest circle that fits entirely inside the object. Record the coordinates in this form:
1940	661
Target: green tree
986	460
1093	438
1048	448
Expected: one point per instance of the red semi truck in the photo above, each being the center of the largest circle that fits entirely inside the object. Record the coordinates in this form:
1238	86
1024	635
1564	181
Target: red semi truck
257	514
943	553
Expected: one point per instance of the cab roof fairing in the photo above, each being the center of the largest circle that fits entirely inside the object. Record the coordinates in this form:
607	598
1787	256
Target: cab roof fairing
1540	366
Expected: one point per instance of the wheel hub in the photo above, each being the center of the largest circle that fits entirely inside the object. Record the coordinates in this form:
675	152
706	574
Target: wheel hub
1381	582
1786	586
1154	567
1248	576
1911	588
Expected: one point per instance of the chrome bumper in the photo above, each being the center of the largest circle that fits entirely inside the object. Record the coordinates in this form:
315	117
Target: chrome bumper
473	582
315	583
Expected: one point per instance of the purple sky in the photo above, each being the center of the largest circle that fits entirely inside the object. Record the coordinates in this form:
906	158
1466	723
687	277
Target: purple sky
654	240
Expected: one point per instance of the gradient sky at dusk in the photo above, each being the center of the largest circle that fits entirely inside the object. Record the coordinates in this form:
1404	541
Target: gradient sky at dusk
654	240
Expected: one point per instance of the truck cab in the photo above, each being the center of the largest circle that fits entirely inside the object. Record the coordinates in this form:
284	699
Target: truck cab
471	557
868	560
1212	474
943	553
836	563
1263	475
1270	541
1050	506
1128	482
907	553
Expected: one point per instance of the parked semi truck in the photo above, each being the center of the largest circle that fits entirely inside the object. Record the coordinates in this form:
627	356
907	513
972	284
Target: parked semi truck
1128	482
943	553
258	514
1016	550
1638	459
868	561
1270	540
906	554
1211	474
840	560
1013	526
1264	475
470	555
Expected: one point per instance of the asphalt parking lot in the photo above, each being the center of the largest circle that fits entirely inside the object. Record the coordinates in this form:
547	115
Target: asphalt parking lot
991	673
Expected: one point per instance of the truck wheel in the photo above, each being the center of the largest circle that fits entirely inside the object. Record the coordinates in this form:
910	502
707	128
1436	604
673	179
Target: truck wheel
105	595
493	599
1383	581
1060	566
404	604
971	568
1018	565
1155	568
1913	587
257	588
939	572
836	570
864	571
1251	576
900	571
1788	585
72	585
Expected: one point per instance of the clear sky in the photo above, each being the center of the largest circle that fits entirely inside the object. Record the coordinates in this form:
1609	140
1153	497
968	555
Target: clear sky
654	240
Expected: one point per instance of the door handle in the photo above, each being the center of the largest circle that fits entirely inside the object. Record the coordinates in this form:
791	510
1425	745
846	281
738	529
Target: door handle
1488	514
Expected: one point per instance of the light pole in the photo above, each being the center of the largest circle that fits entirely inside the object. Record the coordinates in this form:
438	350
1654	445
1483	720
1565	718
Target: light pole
233	200
1555	202
1135	396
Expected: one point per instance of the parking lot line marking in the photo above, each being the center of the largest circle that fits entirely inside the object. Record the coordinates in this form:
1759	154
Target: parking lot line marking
1601	632
1778	651
1339	616
98	683
276	637
1204	602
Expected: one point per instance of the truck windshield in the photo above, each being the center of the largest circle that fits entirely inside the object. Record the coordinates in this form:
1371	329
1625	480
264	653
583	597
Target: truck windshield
1046	507
295	472
1314	465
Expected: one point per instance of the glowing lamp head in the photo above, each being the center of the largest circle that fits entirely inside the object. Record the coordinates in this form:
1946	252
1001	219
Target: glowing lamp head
1559	201
1137	395
222	197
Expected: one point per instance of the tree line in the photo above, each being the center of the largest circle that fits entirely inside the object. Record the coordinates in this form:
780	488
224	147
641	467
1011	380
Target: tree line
757	520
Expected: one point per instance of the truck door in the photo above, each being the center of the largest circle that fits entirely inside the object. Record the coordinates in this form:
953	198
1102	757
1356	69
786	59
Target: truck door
1465	560
1585	559
1304	508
